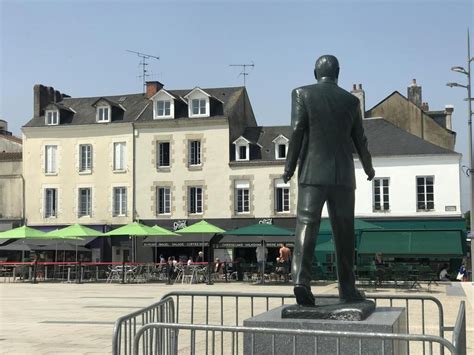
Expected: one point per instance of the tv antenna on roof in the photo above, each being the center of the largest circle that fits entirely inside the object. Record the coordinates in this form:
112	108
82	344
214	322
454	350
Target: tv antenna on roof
244	69
143	62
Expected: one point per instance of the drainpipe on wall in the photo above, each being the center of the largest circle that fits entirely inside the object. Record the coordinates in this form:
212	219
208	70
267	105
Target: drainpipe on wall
23	212
134	212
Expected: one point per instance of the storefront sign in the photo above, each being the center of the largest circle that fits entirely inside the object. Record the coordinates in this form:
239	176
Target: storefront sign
266	221
177	225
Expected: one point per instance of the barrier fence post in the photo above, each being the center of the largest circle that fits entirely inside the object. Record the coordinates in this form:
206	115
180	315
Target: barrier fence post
35	269
123	271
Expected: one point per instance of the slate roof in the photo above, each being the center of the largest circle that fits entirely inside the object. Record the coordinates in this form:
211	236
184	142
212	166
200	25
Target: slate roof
137	106
11	138
385	139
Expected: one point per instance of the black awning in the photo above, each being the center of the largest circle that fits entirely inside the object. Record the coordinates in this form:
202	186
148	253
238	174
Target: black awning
241	241
26	245
184	240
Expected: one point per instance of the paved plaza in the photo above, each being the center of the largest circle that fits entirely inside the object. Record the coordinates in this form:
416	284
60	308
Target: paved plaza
60	318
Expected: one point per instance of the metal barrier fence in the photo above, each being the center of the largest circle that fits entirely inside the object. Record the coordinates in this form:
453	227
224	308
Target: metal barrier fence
127	326
230	309
287	338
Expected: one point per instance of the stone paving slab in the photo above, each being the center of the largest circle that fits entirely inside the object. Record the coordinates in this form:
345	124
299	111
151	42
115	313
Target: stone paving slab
59	318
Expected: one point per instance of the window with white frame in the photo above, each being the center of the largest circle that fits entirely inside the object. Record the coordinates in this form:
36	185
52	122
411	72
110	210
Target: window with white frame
163	108
85	202
381	194
281	147
163	154
120	201
85	157
242	196
281	151
50	202
195	200
52	117
103	114
199	106
50	163
282	196
120	155
425	193
194	152
163	200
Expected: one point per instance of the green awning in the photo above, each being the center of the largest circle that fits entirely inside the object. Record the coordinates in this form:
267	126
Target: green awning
261	229
359	225
427	242
324	244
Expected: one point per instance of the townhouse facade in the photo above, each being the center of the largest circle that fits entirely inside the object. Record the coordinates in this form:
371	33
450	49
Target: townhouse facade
11	179
170	157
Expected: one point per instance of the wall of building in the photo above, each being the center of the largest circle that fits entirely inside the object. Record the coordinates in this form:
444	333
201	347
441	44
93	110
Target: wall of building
11	190
68	179
211	175
404	114
402	172
8	144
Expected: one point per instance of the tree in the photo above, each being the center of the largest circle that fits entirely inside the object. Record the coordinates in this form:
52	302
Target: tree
467	216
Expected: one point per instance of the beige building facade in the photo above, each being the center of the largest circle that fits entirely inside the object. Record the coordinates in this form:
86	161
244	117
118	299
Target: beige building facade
53	192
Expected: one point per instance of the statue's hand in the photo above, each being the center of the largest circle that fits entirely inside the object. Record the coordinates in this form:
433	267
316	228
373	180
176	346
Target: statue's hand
286	176
371	175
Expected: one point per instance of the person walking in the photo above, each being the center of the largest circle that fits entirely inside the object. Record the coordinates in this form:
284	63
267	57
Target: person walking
262	253
285	260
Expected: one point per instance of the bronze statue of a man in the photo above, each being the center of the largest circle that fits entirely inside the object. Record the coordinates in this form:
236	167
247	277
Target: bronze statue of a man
327	123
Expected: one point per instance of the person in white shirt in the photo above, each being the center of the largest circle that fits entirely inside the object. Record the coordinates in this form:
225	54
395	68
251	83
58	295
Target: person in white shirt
443	274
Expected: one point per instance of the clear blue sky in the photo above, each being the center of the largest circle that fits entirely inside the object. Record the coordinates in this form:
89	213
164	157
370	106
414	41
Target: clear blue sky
79	48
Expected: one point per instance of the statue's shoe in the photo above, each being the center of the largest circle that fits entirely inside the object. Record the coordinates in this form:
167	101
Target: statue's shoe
303	294
356	295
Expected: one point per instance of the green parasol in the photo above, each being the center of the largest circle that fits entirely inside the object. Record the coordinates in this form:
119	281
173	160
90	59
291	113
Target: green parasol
75	230
201	227
23	232
133	230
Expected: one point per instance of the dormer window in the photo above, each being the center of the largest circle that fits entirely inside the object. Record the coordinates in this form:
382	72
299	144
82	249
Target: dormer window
199	107
52	118
163	104
281	147
103	114
281	154
198	103
242	151
163	108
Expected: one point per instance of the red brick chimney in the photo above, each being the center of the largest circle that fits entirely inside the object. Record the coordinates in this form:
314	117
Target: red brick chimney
152	87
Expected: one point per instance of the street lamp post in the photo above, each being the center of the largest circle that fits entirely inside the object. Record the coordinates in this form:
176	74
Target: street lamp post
470	170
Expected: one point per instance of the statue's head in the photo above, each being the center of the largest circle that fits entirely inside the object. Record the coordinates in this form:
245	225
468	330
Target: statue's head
327	66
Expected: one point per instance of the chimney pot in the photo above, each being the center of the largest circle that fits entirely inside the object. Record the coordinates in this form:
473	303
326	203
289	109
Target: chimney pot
354	87
360	86
152	87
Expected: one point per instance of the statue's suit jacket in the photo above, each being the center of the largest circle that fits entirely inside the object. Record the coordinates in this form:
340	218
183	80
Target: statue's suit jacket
327	124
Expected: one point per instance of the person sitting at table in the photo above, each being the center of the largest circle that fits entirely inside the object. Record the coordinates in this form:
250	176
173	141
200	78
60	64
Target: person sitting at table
190	260
443	274
218	266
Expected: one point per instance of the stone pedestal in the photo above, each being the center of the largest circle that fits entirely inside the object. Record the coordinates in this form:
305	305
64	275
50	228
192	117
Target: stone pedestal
382	320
